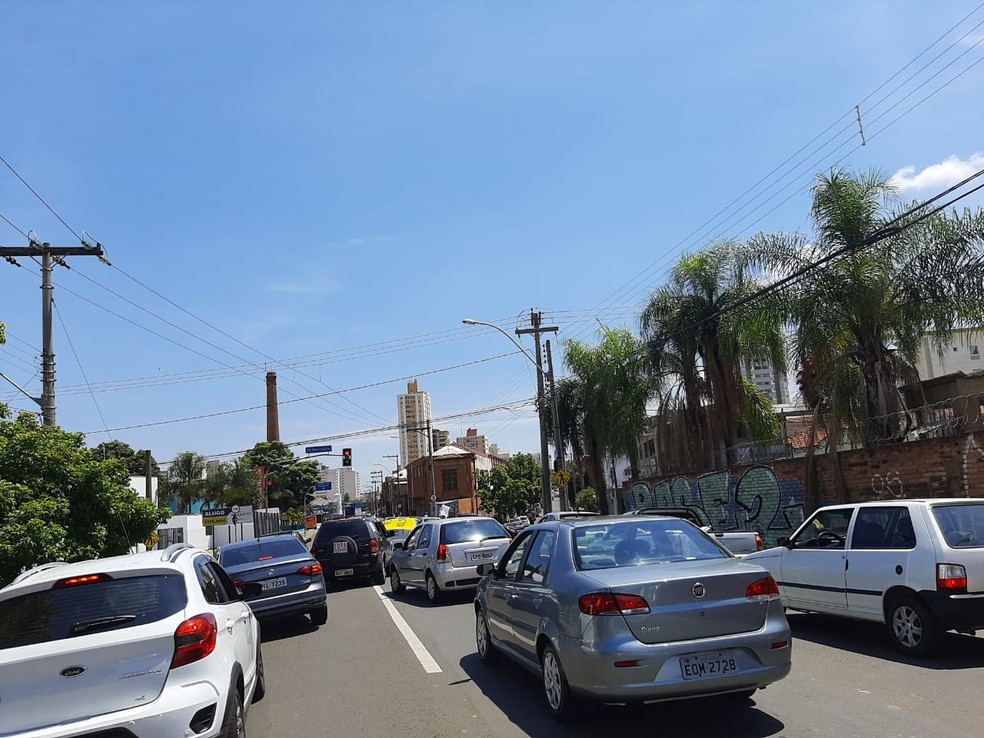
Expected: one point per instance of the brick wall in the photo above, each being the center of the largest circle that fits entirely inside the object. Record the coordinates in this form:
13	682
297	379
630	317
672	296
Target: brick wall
771	498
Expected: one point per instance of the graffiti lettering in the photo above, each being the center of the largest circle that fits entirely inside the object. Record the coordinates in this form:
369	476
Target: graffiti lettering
756	501
890	484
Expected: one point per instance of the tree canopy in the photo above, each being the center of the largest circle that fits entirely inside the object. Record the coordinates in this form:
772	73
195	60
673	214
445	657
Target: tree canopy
513	489
60	501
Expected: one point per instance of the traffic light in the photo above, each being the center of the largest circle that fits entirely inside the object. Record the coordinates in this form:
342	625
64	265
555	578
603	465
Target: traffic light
346	457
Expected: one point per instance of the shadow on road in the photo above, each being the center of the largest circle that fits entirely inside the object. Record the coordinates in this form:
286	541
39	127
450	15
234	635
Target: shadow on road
520	697
871	639
416	597
276	630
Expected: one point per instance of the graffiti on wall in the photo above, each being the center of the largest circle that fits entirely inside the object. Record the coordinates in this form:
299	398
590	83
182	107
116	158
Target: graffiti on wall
887	485
756	500
971	451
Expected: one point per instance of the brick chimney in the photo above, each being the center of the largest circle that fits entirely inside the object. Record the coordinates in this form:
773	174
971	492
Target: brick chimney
273	416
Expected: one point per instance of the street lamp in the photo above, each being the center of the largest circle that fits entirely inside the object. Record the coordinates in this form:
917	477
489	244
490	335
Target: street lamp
541	375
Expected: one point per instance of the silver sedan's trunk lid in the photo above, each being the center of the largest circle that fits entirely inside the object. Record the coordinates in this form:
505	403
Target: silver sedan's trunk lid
474	553
688	600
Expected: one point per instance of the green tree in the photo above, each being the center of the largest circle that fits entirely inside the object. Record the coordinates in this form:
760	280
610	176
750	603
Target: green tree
291	477
614	382
512	489
701	329
586	499
134	460
60	501
858	320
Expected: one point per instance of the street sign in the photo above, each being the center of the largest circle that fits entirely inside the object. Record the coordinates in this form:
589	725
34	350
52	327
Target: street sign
561	478
318	450
216	516
322	486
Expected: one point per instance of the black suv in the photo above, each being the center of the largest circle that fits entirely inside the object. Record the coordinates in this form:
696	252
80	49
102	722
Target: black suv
353	547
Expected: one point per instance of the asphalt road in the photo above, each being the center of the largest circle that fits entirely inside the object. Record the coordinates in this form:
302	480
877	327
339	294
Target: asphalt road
358	676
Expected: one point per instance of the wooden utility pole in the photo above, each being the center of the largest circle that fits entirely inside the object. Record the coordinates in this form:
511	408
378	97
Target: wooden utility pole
558	441
49	255
536	320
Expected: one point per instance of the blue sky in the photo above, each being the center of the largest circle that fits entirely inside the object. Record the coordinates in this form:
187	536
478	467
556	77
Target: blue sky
326	189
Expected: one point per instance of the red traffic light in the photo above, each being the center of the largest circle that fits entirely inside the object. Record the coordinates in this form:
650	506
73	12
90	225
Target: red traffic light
346	457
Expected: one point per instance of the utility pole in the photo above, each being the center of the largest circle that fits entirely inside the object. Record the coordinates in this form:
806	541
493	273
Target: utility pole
49	255
536	320
558	441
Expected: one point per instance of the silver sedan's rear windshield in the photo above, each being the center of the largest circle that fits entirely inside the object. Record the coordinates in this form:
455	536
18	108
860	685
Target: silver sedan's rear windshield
68	612
471	529
962	526
639	541
260	550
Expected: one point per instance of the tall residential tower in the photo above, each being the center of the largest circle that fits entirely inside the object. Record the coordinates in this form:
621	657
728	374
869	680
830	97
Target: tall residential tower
413	411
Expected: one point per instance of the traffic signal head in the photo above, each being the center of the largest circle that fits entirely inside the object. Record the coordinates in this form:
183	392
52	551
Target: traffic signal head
269	484
346	457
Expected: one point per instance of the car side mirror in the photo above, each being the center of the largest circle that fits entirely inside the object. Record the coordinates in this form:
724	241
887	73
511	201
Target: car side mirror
783	541
484	569
397	546
249	590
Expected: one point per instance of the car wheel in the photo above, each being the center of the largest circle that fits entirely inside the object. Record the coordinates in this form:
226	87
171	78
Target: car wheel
260	689
433	591
912	628
396	584
319	616
555	686
234	722
378	576
483	639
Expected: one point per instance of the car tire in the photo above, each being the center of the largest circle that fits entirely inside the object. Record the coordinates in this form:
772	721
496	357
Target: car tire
432	588
260	689
560	701
378	577
487	652
319	616
912	628
234	721
396	583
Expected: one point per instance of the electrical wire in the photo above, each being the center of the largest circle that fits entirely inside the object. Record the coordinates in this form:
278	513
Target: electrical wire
81	368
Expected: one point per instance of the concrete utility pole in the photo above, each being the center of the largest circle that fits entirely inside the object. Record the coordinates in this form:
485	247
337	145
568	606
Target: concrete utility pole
536	319
558	441
49	254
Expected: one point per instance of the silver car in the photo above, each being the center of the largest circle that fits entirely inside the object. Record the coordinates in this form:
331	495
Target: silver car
623	610
441	555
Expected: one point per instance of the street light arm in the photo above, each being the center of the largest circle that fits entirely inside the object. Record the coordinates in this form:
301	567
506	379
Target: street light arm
469	321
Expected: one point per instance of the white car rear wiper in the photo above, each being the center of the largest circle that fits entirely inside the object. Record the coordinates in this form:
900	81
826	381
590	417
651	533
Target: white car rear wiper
85	626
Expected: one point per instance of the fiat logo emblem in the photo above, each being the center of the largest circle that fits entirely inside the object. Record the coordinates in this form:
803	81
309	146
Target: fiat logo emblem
698	590
73	671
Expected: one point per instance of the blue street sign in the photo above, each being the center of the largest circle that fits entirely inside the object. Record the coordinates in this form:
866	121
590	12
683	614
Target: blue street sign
322	486
318	450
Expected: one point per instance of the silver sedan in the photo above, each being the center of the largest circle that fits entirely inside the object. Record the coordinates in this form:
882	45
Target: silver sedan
623	610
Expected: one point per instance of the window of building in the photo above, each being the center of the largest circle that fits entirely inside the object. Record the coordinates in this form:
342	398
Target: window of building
449	480
975	353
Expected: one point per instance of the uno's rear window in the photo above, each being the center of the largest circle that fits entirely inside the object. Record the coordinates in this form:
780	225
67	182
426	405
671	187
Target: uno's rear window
262	550
962	526
55	614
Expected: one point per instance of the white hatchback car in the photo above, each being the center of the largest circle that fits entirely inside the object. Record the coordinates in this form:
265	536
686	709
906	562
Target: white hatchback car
150	645
915	565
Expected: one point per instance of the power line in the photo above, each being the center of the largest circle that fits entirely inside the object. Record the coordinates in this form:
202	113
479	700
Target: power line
81	369
301	399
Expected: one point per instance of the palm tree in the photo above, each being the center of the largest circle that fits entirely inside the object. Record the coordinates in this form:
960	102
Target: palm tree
859	319
700	328
184	479
613	384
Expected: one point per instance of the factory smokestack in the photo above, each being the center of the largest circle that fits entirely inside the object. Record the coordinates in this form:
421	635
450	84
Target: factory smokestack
273	416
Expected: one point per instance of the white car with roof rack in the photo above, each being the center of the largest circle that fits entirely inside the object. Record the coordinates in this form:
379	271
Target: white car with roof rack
149	645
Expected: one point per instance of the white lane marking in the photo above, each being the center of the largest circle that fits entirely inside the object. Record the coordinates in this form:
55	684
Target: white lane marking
418	648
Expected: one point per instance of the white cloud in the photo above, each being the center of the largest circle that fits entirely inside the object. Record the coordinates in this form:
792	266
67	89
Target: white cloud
937	176
972	39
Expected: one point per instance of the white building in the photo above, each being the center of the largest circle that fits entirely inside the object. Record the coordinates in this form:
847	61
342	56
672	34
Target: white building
413	412
961	354
772	382
344	481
